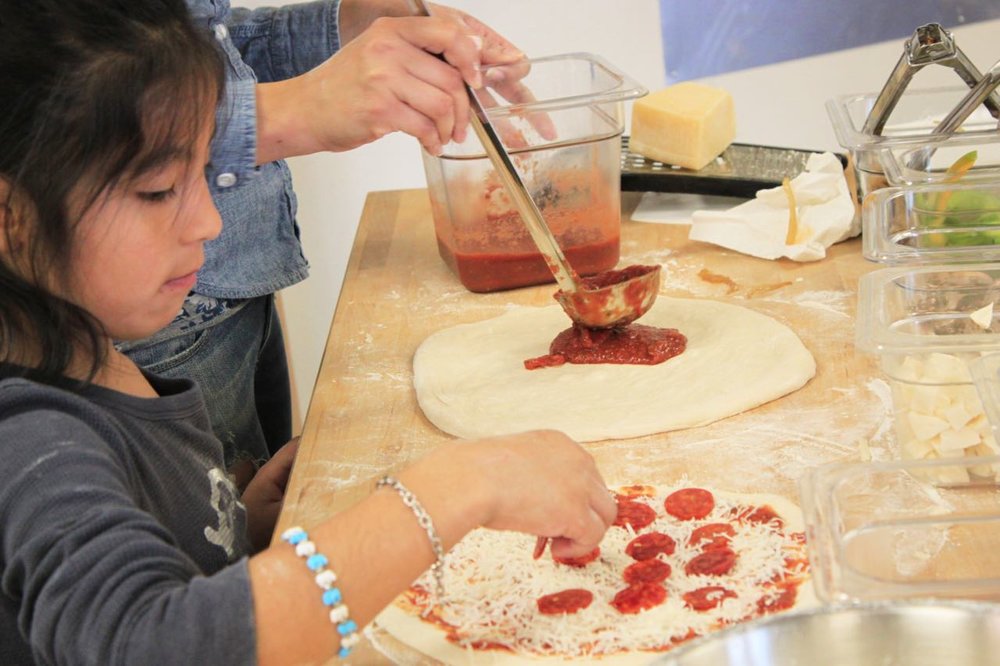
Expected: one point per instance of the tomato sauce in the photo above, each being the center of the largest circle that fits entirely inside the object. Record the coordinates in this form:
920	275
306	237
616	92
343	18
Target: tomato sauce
484	241
634	344
496	271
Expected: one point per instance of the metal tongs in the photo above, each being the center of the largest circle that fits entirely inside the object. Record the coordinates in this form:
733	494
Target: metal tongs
981	93
929	45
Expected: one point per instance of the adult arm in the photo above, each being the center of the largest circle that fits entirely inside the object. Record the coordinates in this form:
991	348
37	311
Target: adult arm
386	77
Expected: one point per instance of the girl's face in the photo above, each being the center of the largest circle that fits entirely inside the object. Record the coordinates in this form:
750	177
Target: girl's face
139	247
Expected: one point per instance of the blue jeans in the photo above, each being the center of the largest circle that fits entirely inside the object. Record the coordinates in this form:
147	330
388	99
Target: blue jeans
241	367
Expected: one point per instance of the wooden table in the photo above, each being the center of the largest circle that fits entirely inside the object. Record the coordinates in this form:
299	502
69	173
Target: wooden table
364	420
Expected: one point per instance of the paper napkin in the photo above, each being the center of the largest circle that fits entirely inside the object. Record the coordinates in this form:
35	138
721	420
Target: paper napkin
759	227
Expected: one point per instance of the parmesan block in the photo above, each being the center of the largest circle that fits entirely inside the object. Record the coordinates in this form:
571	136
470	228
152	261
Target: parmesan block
687	124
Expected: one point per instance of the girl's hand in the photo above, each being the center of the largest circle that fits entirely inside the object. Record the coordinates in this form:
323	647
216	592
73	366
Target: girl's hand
540	482
265	494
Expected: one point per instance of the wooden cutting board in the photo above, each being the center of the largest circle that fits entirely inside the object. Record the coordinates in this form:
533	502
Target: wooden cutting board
364	420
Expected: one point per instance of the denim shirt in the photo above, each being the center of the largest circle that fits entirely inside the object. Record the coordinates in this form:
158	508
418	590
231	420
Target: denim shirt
258	251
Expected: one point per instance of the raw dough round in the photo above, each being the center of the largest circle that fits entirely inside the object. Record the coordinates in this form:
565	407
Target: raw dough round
471	381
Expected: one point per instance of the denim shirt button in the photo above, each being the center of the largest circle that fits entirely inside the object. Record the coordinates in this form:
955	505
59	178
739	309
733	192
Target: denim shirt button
225	179
221	32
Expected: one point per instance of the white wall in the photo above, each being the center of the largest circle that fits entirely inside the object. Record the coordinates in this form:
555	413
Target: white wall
332	187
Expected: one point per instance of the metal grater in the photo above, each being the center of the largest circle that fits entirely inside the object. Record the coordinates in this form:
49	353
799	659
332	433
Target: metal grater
740	171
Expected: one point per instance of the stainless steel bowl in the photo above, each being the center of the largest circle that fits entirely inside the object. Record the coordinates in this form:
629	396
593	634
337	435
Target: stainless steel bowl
910	633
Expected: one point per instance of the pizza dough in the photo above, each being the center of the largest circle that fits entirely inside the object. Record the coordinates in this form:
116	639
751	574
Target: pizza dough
505	582
471	381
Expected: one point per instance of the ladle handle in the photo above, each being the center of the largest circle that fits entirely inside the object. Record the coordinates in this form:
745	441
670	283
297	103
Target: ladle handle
565	275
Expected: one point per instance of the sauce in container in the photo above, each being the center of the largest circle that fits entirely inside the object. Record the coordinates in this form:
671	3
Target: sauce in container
482	238
564	140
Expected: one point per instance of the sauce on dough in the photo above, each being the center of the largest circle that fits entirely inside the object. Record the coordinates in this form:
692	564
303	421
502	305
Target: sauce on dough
634	344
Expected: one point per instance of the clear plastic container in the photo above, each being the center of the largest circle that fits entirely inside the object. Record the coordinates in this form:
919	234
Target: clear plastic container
928	162
909	125
986	375
933	223
926	325
563	134
895	530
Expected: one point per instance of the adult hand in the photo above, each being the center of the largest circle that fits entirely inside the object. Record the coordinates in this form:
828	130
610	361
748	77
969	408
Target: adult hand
265	494
389	78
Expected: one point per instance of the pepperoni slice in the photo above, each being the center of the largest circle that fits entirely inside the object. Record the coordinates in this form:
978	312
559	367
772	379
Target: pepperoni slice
649	545
763	515
707	598
712	563
566	602
636	514
580	560
647	571
640	597
783	600
689	503
712	536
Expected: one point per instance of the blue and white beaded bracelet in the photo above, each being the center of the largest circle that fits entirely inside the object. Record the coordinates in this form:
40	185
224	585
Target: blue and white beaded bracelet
326	579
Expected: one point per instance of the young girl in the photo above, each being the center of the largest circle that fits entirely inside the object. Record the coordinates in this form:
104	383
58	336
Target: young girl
122	539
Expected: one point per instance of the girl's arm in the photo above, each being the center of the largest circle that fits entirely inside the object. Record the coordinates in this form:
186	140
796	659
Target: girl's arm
540	482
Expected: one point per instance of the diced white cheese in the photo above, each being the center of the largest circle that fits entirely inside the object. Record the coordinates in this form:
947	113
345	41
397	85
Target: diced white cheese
982	470
983	317
928	399
951	474
939	414
917	449
957	416
925	426
990	444
911	369
945	368
687	124
957	440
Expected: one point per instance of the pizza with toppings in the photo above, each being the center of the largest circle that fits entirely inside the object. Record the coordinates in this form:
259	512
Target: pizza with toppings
679	562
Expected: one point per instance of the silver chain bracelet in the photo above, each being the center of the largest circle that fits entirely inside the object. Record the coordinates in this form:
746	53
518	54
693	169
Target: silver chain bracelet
424	520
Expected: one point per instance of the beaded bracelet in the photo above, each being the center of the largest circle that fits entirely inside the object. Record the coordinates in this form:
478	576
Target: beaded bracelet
424	520
325	579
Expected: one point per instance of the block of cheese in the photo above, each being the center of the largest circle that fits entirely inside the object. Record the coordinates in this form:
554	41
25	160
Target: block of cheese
687	124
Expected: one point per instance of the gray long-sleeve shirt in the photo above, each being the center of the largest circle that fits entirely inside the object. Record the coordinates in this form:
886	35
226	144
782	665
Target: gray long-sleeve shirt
122	540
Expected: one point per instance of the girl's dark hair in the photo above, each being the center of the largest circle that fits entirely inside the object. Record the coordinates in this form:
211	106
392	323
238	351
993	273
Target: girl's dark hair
92	93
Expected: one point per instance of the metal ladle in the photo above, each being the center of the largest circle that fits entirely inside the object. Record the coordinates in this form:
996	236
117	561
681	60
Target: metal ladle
606	300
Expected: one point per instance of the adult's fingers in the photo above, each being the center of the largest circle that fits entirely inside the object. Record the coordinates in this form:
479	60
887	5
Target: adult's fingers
513	138
496	49
443	99
507	81
446	38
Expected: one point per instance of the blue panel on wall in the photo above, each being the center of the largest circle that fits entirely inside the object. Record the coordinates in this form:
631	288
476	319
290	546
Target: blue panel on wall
706	37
